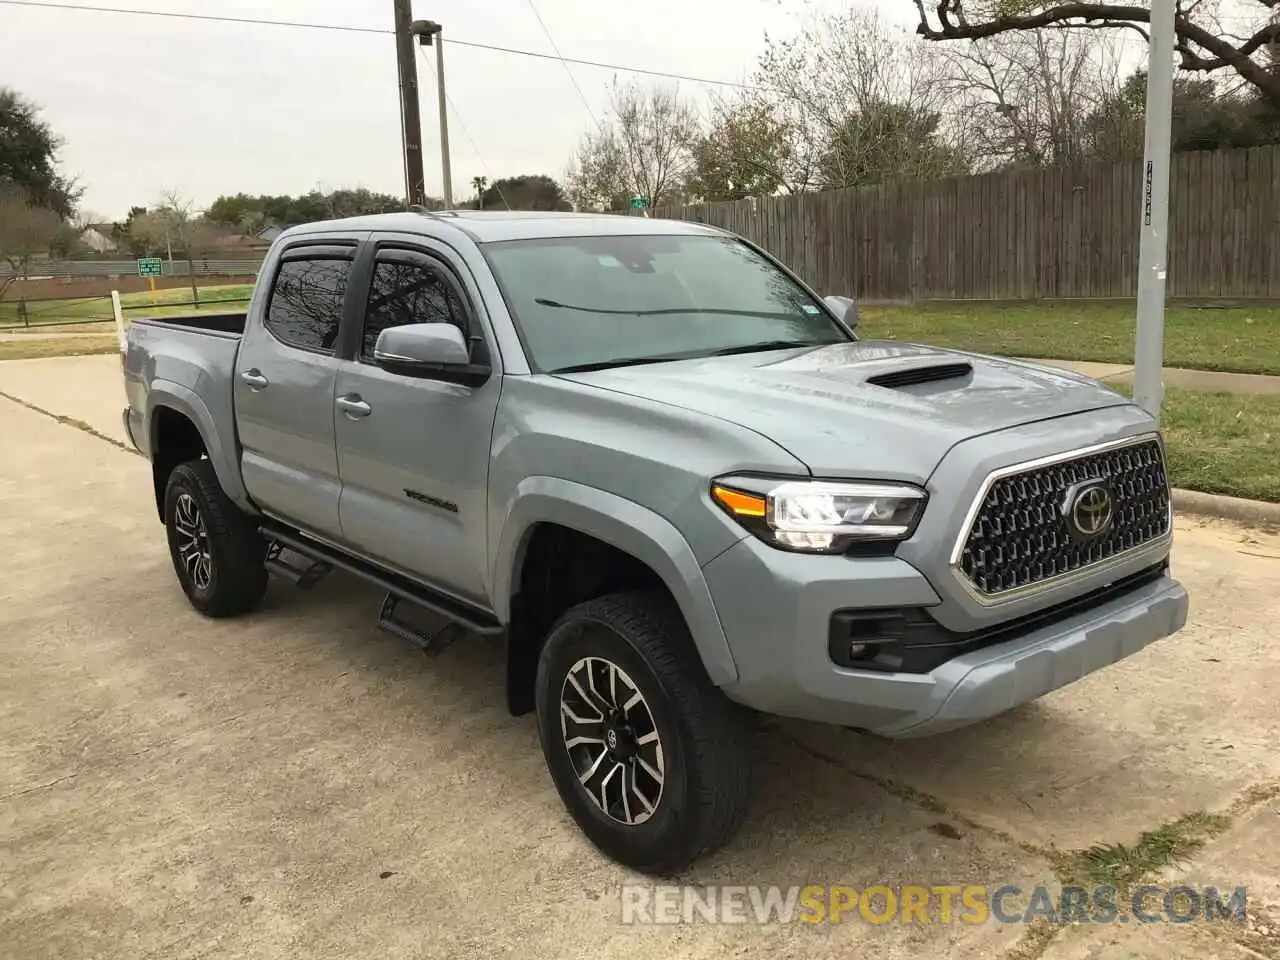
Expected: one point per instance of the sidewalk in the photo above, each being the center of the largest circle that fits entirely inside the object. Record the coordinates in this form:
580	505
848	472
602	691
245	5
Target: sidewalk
1205	380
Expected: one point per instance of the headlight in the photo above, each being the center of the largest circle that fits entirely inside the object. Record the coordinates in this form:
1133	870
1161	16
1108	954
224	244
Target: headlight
821	517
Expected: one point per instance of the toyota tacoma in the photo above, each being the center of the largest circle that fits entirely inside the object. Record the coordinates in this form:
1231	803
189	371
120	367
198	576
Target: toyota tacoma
670	475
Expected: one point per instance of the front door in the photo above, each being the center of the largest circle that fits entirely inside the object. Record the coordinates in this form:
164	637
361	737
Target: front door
283	390
413	453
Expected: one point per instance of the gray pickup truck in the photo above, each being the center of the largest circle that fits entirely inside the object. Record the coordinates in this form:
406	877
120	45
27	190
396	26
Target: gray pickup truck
672	478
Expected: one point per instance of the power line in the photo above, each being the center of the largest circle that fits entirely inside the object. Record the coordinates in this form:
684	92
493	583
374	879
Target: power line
340	28
572	79
467	133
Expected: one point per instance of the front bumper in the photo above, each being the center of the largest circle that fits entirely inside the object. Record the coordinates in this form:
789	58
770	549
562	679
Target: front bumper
776	607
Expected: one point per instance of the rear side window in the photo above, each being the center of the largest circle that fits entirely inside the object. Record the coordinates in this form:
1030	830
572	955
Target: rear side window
306	302
408	291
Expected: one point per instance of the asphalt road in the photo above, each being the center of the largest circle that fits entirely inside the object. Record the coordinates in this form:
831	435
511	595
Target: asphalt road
296	784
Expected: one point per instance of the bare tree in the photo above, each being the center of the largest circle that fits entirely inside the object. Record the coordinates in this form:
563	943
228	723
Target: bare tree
862	102
645	149
1029	96
26	230
1202	42
173	225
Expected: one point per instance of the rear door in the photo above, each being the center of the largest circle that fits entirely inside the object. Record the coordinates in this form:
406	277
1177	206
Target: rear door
413	452
283	386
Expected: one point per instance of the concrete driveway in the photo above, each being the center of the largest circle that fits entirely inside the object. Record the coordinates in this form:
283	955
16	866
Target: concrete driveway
297	784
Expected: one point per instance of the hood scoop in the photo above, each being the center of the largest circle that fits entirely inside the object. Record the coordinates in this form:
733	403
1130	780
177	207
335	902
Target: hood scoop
914	376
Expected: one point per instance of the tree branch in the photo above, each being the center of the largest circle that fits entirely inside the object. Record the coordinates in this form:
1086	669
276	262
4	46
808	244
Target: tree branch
1099	15
1118	25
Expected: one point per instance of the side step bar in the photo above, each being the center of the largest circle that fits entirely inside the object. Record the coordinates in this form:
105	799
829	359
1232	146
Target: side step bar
398	587
427	643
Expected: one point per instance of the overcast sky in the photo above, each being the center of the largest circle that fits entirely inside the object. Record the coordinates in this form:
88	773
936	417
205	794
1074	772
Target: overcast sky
147	103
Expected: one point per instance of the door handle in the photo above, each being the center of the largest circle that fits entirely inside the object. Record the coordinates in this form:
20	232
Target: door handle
254	379
353	406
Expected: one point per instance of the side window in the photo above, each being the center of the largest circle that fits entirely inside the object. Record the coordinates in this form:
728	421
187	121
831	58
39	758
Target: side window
306	302
408	291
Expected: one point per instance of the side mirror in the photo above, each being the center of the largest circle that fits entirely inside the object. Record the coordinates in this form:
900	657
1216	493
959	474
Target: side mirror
844	308
436	350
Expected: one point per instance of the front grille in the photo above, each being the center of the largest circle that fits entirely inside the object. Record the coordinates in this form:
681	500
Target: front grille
1021	535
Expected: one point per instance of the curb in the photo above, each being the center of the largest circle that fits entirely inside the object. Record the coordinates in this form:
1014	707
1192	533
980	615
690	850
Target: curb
1227	508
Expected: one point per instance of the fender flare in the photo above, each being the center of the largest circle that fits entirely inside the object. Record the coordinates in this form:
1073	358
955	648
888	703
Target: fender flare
184	400
629	527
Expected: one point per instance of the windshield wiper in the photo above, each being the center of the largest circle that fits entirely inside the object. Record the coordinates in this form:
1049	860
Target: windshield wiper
666	311
771	345
617	362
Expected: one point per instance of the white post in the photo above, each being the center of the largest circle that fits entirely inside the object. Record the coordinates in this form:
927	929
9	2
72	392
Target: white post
118	313
442	101
1148	387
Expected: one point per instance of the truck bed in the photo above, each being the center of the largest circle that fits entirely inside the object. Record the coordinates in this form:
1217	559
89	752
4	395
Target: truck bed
191	360
224	323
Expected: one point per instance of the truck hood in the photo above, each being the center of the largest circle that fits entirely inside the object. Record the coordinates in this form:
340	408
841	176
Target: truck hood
866	408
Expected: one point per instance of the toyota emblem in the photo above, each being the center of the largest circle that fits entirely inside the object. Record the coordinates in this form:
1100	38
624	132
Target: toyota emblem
1088	508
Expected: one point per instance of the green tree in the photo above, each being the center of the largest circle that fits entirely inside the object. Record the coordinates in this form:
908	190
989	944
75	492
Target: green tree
1203	119
887	141
29	156
748	152
26	231
529	191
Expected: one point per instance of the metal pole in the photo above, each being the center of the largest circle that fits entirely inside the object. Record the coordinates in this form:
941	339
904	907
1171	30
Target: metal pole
444	122
1148	387
415	189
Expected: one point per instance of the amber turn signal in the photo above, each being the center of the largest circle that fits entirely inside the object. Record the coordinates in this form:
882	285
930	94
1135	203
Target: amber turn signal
737	502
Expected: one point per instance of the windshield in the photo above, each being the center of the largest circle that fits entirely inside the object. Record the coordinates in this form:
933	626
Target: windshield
593	302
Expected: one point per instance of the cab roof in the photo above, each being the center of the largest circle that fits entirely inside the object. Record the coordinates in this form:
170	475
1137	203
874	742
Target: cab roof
488	226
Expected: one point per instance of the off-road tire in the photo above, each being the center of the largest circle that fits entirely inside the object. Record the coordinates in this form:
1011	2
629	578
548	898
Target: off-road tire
237	572
704	736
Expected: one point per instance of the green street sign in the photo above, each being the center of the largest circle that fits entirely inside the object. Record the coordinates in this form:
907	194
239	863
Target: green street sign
150	267
639	203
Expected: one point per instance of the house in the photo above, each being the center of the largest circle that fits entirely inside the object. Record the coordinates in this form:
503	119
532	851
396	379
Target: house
98	238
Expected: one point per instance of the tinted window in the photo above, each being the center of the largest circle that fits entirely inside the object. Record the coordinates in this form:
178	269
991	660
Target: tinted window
408	292
593	300
306	302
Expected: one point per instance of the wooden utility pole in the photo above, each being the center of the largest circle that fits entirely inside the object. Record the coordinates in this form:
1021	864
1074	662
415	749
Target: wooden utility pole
411	119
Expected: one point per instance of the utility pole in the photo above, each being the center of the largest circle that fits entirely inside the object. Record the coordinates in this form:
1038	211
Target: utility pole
1148	385
426	30
411	119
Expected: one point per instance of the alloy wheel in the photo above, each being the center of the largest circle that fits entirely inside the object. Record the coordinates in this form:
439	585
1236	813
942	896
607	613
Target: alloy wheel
613	743
193	541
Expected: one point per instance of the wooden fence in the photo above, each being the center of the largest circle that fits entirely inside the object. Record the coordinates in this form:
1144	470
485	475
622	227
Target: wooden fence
1026	234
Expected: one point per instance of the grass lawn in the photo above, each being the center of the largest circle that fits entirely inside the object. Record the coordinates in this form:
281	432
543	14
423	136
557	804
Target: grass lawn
1224	443
38	347
71	316
1239	340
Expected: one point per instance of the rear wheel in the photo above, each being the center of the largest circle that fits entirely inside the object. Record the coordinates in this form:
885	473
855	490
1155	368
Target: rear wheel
216	549
649	757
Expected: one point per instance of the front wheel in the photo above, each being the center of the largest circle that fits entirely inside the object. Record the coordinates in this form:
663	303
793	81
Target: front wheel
651	760
217	551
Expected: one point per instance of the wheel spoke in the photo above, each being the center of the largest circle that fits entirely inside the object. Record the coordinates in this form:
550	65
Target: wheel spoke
631	703
595	694
595	765
589	698
567	710
649	769
650	737
604	788
626	791
580	740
